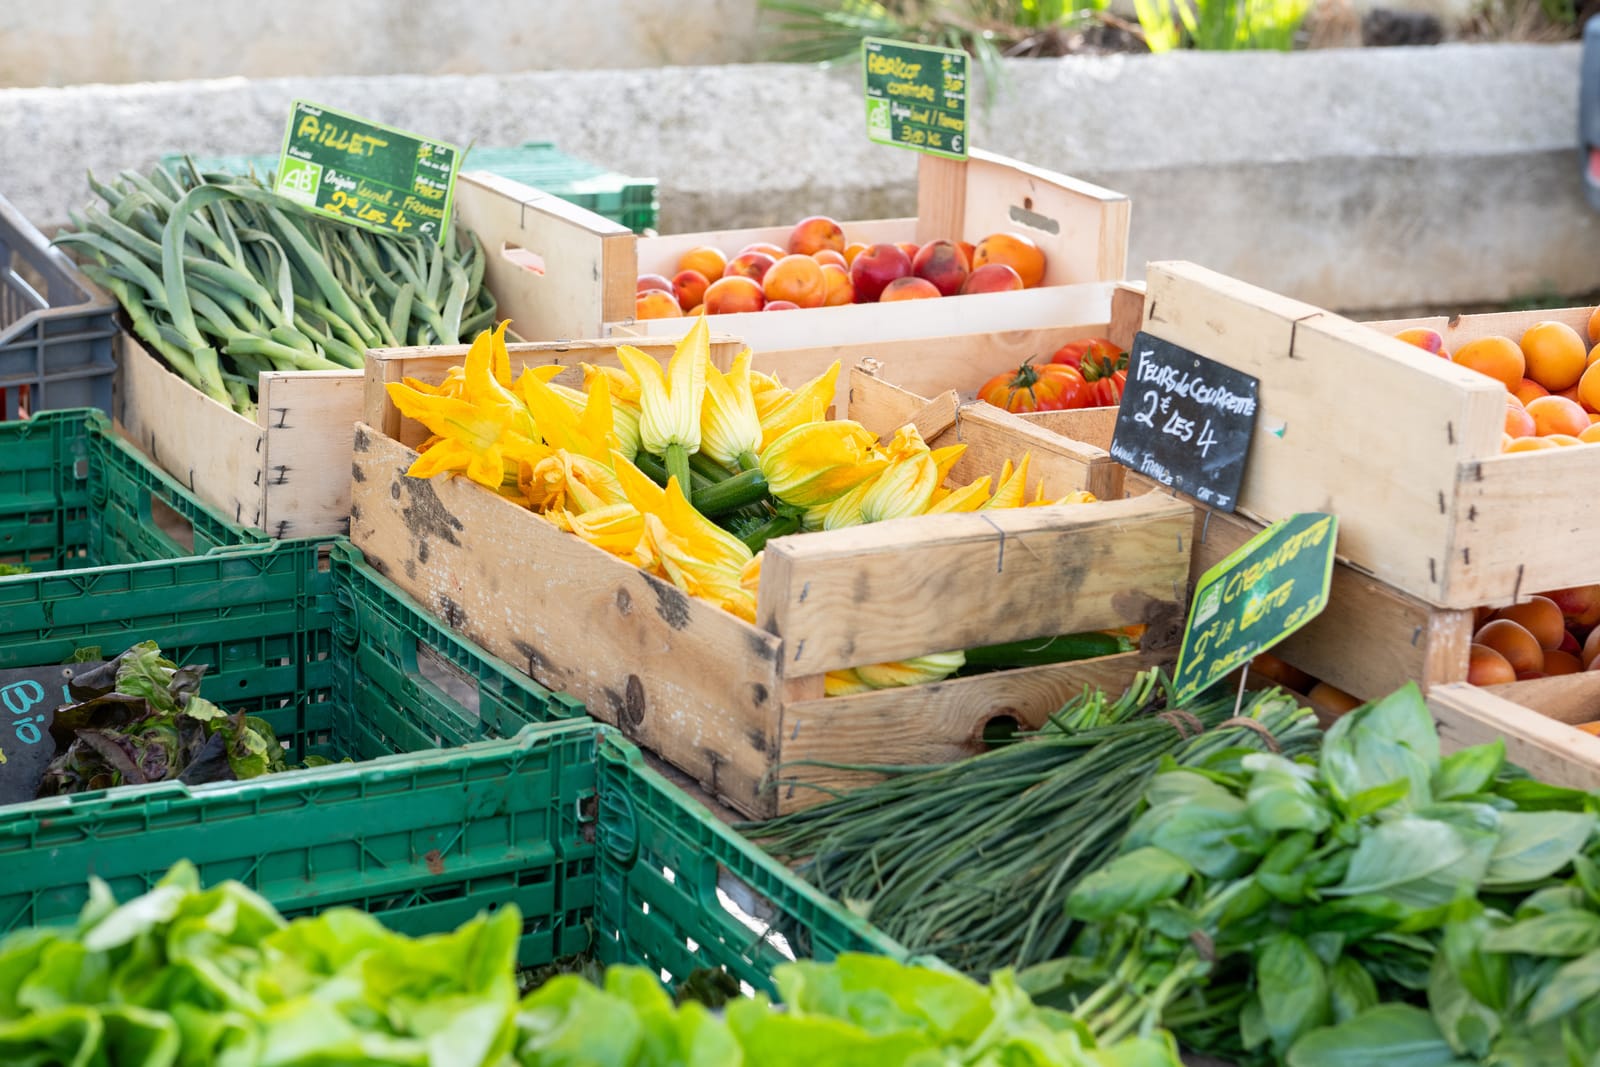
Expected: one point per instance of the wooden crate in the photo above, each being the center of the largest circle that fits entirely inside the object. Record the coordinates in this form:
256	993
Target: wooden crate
288	471
1536	719
728	702
1082	229
1402	445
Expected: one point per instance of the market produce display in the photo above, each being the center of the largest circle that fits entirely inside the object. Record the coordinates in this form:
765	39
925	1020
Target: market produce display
192	975
225	279
821	267
610	464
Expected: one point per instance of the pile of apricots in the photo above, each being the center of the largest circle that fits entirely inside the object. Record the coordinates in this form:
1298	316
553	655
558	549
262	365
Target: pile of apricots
819	268
1552	380
1550	633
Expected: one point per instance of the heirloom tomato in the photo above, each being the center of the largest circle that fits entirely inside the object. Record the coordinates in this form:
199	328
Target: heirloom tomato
1052	387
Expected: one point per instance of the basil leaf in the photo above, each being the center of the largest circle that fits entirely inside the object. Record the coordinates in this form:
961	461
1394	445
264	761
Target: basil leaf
1559	933
1417	862
1293	989
1128	883
1535	845
1469	770
1390	1035
1571	987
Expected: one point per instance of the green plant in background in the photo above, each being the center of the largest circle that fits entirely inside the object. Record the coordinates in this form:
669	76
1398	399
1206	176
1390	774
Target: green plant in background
1221	25
819	31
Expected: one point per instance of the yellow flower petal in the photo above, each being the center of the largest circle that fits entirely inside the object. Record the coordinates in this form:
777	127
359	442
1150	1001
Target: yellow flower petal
807	404
729	425
967	498
918	671
843	683
818	462
1013	484
670	404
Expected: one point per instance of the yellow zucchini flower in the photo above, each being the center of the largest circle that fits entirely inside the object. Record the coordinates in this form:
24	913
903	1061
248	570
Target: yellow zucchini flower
730	429
768	393
809	403
907	485
818	462
616	528
484	430
669	403
1013	486
589	433
922	669
843	683
966	498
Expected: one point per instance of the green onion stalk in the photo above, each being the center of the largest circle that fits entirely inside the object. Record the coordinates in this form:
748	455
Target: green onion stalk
226	280
972	861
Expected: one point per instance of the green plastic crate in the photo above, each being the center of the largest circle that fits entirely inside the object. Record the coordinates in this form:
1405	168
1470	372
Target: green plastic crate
564	819
343	665
629	201
73	494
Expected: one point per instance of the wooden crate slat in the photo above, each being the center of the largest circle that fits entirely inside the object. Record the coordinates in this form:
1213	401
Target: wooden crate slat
1544	746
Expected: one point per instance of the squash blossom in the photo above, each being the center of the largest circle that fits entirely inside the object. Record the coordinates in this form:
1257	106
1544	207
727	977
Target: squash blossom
1013	486
907	485
768	393
730	429
930	668
818	462
482	430
669	404
589	432
616	528
967	498
809	403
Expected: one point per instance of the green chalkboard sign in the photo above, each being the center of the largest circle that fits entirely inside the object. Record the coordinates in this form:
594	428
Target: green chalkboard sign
367	174
1273	585
916	96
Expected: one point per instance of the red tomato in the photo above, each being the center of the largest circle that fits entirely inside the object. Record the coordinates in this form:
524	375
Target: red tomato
1052	387
1072	353
1106	381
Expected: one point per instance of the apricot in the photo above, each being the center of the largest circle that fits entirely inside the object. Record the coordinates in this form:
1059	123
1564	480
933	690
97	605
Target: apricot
797	278
910	248
732	294
1528	389
992	278
653	281
1513	641
768	247
707	260
1589	386
841	290
941	263
752	265
781	305
1555	355
1591	434
1015	251
1580	604
1498	357
1591	648
1423	338
1561	663
1485	666
1540	616
656	304
852	250
1557	414
815	234
968	250
1569	643
1518	422
1531	444
1594	325
909	289
690	287
875	268
1563	439
828	255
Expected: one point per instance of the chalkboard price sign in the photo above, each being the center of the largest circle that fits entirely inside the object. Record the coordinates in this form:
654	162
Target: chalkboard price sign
367	174
1274	584
916	96
1185	421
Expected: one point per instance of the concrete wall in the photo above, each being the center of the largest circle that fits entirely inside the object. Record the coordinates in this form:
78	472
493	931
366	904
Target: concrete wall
74	42
1366	179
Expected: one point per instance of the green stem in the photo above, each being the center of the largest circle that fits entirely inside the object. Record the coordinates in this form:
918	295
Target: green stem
677	461
749	461
704	465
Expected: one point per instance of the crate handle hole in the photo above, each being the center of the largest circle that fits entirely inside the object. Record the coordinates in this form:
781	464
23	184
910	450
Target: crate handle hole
456	684
518	256
172	523
1023	213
